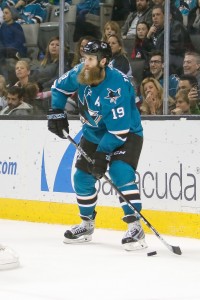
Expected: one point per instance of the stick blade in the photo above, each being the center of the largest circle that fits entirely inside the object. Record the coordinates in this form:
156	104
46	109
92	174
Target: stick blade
176	250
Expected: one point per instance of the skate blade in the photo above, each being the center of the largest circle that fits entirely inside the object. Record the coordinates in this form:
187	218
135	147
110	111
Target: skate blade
135	245
8	266
83	239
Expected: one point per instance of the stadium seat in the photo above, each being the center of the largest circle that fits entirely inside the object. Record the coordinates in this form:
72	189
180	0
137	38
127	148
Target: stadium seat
106	8
69	19
31	36
137	66
48	30
129	44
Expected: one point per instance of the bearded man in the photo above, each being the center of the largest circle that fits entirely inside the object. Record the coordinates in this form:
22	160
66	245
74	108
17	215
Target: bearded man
112	135
142	13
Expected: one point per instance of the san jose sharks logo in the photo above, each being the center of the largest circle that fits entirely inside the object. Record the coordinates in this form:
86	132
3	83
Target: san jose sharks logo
113	95
87	115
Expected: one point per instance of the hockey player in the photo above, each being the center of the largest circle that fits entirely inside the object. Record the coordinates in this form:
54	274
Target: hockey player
112	136
8	258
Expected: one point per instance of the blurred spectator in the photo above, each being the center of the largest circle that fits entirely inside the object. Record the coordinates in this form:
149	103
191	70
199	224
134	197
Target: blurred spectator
32	13
189	82
175	11
183	104
12	37
57	2
16	106
156	68
179	38
22	71
152	94
57	9
14	3
142	45
185	6
87	6
19	4
194	19
142	13
119	59
78	54
121	9
35	99
176	14
3	92
30	92
110	28
48	70
191	65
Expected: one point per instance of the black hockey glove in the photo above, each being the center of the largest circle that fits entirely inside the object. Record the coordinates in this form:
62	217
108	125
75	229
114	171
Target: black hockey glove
57	121
99	167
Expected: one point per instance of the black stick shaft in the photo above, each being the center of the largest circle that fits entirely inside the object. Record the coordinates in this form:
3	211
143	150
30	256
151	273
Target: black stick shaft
174	249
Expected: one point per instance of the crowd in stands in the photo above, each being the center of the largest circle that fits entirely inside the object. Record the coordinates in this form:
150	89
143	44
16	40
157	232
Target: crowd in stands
135	33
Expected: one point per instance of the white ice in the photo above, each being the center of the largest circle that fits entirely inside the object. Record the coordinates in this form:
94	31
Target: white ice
99	270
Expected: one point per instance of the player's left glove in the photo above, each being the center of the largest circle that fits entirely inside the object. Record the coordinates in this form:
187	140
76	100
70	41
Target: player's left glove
99	167
57	121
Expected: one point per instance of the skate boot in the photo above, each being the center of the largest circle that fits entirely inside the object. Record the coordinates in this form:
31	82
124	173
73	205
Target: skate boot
80	233
8	258
134	238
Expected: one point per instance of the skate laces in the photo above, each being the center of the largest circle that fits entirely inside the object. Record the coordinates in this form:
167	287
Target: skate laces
81	228
135	230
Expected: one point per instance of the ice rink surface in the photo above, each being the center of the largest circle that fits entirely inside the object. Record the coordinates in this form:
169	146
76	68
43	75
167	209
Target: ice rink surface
99	270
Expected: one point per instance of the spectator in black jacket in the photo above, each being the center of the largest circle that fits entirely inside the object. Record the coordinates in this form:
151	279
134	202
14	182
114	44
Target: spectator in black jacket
177	15
194	19
179	38
121	9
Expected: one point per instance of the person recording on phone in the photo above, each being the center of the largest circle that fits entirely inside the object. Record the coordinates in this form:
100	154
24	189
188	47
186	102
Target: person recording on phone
189	82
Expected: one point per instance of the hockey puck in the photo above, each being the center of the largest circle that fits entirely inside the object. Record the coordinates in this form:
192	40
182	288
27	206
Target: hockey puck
151	253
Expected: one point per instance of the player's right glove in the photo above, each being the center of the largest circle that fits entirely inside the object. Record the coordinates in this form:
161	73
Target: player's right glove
99	167
57	121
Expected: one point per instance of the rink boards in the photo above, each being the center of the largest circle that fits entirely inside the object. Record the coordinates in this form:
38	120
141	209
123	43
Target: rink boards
36	176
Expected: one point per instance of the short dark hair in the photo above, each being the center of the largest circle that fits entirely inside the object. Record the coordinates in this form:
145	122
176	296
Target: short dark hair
160	6
16	90
143	22
192	79
156	52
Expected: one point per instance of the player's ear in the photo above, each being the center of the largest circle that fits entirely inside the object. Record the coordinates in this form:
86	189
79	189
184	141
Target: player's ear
103	62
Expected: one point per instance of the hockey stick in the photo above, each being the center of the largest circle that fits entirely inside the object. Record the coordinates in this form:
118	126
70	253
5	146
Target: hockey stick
174	249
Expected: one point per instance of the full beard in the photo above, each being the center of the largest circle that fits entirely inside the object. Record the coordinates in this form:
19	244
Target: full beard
91	77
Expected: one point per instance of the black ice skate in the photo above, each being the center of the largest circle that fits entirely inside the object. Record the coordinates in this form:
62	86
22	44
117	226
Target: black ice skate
134	238
80	233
